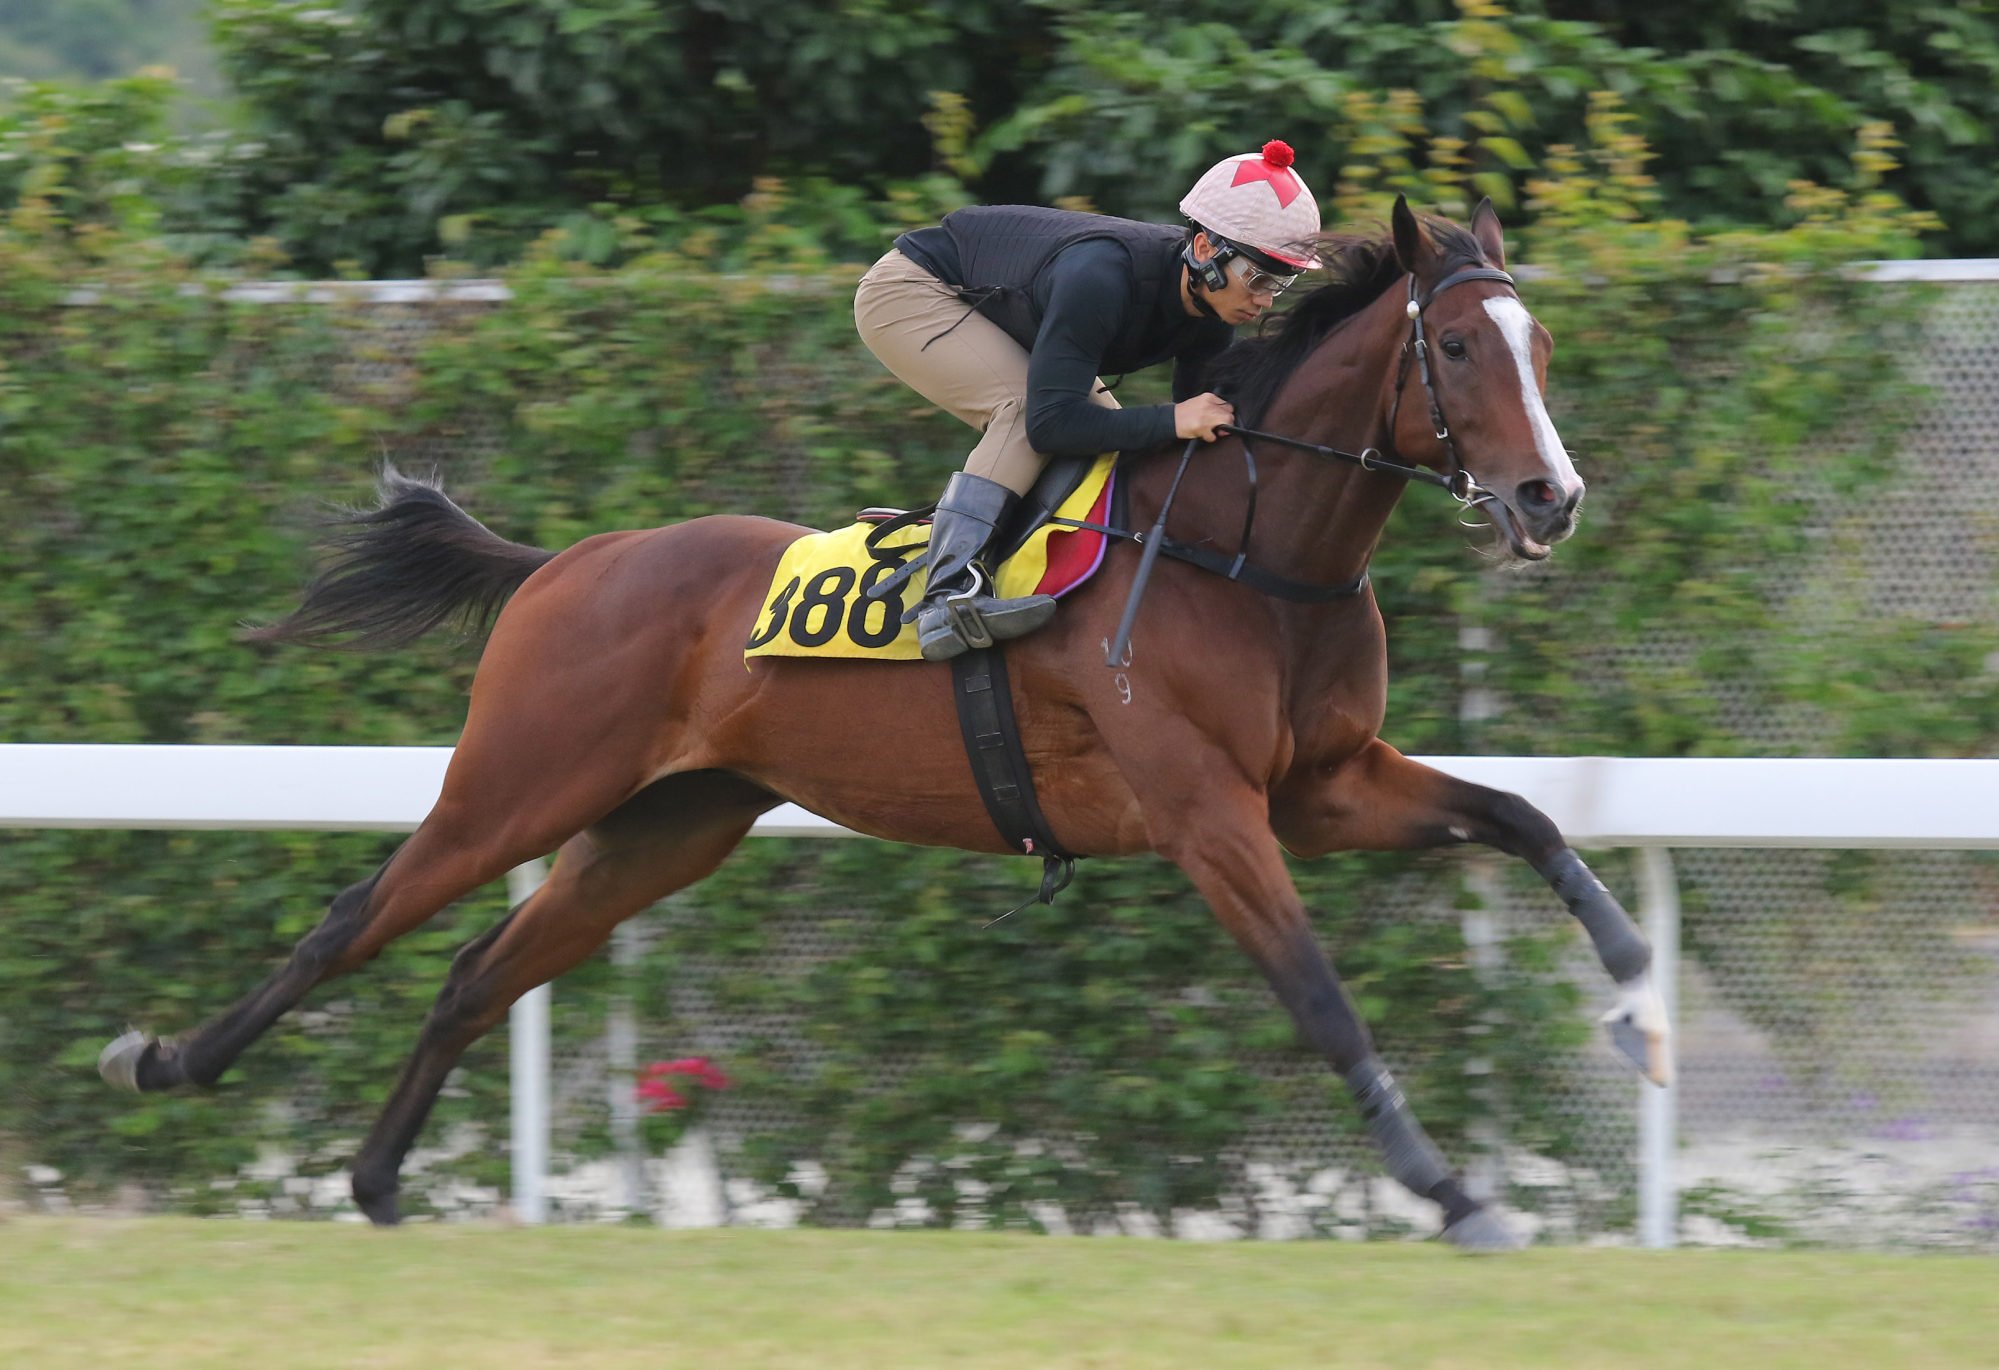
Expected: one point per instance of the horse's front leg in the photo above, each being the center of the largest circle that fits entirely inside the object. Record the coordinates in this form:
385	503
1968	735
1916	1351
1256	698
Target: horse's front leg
1380	800
1229	852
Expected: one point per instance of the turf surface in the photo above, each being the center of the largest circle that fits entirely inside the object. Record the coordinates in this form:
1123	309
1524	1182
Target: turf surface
168	1293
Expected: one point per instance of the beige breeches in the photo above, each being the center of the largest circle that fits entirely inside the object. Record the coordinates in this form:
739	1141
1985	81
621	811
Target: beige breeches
974	371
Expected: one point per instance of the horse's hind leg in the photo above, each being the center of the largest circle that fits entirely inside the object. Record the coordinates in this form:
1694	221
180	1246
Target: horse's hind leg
672	834
483	825
136	1061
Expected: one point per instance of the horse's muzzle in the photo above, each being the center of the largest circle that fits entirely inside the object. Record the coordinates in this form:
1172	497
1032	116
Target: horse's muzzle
1537	516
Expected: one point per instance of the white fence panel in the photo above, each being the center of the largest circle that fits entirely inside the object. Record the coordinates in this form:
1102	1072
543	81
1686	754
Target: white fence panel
1597	801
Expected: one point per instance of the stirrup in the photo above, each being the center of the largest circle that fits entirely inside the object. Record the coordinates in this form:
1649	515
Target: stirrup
966	619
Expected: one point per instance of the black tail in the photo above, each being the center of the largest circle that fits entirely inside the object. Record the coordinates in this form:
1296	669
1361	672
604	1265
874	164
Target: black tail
410	565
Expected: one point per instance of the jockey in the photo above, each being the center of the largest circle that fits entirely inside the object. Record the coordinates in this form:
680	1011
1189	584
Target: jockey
1008	315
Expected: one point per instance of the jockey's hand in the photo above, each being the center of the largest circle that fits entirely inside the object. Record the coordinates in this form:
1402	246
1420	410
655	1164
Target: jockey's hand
1197	417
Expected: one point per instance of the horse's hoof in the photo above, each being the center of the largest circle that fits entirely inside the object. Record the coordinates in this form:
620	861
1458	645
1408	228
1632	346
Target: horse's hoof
1638	1029
118	1063
1481	1232
378	1207
1640	1048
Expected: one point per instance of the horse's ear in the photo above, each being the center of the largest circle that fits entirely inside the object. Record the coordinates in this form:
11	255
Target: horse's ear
1485	228
1412	244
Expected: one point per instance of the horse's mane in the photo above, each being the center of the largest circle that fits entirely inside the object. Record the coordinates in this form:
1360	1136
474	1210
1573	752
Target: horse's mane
1360	266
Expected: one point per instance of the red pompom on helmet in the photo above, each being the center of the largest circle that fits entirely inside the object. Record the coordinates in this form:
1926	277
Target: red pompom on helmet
1257	201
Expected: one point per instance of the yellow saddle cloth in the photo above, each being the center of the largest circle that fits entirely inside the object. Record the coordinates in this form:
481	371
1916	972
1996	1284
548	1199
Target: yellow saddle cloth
818	606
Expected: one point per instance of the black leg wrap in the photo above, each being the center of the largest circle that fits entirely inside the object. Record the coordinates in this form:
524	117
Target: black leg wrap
1407	1151
1449	1196
1619	944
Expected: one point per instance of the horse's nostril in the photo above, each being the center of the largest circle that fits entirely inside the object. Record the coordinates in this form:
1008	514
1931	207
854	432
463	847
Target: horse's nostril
1538	494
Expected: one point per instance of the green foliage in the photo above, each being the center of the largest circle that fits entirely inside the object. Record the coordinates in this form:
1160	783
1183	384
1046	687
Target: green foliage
1739	101
380	135
87	157
158	446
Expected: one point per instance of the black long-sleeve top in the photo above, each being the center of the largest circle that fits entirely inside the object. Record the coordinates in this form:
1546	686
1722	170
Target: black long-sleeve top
1097	305
1082	297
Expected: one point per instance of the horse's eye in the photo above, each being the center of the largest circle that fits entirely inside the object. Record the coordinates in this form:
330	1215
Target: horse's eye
1454	347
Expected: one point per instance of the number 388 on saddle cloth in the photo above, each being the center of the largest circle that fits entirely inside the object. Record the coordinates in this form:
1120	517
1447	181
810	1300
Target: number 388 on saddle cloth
818	603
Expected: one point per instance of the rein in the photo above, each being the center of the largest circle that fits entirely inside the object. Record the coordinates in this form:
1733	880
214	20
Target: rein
1459	483
1367	459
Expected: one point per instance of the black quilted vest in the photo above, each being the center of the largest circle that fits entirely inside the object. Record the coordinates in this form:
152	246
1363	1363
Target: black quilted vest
1003	249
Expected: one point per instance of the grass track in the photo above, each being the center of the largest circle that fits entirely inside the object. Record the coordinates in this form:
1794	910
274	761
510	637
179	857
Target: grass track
169	1293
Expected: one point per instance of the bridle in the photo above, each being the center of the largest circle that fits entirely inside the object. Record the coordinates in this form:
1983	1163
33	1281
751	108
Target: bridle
1457	481
1460	482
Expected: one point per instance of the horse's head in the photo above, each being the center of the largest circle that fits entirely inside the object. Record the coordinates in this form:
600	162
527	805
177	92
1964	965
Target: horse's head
1483	360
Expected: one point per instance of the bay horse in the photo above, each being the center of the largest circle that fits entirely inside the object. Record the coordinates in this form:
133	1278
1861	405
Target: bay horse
612	719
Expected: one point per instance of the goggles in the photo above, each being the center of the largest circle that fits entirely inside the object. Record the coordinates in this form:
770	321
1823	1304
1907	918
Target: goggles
1261	282
1252	268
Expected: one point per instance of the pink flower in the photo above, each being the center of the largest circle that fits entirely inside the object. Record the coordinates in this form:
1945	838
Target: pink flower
662	1083
700	1068
661	1096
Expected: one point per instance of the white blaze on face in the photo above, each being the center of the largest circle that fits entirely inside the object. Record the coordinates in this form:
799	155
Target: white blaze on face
1518	329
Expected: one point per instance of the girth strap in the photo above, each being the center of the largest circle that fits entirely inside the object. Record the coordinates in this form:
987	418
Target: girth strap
999	764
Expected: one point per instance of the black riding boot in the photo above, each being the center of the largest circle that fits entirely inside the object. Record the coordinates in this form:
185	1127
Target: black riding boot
959	611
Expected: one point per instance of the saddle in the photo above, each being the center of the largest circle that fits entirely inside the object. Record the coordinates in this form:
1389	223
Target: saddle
818	603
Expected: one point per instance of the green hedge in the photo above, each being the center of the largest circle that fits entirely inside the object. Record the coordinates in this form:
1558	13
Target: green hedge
163	448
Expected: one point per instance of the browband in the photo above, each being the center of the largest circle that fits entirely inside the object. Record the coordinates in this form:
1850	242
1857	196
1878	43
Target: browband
1463	275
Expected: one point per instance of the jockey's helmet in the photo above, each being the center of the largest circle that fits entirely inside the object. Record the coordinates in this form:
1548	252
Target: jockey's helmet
1258	205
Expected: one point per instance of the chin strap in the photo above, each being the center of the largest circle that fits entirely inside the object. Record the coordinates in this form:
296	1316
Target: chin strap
1199	295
